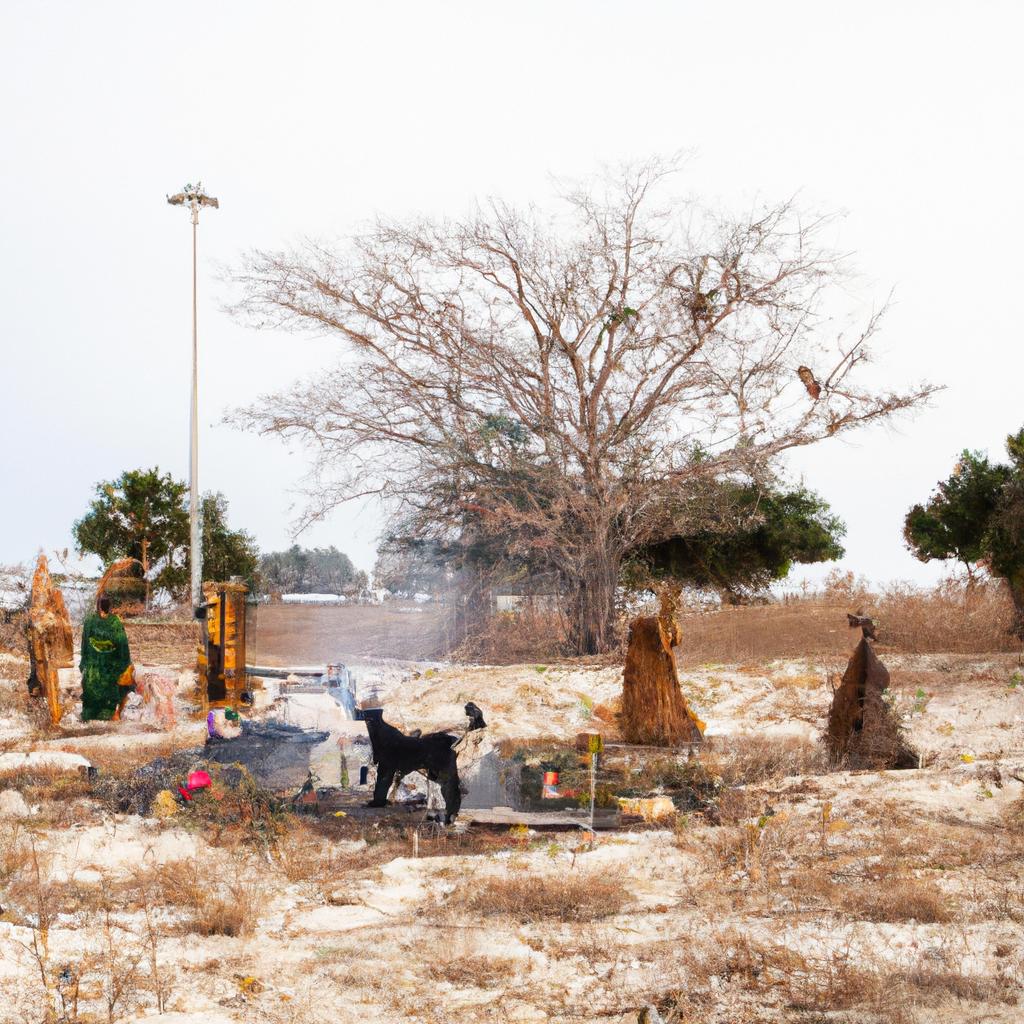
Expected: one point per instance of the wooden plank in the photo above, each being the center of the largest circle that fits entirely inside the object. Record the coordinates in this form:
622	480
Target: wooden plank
541	819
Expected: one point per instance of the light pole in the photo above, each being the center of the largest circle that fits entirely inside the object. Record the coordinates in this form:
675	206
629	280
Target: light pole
194	197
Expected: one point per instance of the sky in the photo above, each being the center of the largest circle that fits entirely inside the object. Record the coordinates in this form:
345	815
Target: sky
312	119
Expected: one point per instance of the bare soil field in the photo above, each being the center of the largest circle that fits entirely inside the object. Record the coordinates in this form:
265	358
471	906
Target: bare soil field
290	634
799	895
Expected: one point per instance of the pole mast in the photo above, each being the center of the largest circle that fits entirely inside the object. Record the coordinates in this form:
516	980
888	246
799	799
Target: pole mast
194	197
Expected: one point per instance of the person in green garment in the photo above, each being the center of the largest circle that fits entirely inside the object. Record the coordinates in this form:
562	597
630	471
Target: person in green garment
105	661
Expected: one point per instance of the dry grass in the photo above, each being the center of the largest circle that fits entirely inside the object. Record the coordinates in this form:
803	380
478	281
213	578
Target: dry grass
948	619
472	971
743	759
776	975
897	899
527	897
508	638
225	899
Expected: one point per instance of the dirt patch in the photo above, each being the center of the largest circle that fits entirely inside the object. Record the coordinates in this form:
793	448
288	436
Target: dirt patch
309	635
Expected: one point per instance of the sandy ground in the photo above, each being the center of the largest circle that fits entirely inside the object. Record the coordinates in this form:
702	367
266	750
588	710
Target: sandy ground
857	897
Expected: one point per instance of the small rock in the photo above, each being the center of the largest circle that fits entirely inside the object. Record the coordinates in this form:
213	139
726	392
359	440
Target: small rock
12	804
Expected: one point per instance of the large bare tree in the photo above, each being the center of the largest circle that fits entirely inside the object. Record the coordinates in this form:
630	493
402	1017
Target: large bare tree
563	383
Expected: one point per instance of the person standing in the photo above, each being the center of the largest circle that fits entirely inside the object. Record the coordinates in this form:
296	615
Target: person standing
106	665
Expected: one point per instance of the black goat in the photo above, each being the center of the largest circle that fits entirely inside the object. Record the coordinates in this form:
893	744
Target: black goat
396	754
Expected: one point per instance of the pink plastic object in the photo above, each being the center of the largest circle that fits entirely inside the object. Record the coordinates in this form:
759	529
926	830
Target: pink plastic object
198	780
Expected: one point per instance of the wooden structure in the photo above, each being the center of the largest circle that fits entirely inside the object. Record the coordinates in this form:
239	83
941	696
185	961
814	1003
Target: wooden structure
222	677
50	641
654	710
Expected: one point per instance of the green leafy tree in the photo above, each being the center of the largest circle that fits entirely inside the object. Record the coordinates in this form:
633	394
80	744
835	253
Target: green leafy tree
143	514
311	571
976	516
751	538
227	552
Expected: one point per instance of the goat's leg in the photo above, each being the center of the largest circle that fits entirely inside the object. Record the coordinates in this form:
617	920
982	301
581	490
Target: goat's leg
451	790
385	776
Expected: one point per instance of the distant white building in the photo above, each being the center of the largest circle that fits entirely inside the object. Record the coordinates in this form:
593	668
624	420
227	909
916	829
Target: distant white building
314	598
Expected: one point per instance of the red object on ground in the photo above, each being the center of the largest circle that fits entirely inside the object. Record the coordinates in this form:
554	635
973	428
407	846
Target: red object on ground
198	780
549	787
184	792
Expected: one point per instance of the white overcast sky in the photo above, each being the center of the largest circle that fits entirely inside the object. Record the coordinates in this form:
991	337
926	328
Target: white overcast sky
312	118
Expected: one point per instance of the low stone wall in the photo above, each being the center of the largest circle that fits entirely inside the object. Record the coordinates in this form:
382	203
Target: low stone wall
163	643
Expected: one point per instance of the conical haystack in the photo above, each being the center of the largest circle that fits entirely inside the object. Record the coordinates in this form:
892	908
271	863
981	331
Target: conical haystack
124	583
654	710
50	641
862	729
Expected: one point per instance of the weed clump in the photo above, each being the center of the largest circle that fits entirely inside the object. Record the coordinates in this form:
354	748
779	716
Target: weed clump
529	898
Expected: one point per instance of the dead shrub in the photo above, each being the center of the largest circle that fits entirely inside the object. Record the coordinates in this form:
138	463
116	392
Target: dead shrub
15	850
743	759
508	638
222	902
472	971
524	897
935	985
894	900
45	783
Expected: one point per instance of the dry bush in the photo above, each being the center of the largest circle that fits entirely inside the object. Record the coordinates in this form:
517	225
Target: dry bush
41	782
894	899
472	971
532	746
15	850
221	899
121	761
746	758
526	897
869	989
951	618
308	858
509	638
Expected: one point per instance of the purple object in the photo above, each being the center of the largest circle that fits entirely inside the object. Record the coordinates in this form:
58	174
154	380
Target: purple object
209	724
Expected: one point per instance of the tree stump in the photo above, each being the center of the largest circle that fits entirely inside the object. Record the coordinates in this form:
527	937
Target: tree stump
654	710
50	640
862	729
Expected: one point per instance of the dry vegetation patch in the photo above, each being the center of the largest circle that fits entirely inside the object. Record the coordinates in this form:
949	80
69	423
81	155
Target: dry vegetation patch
472	970
528	896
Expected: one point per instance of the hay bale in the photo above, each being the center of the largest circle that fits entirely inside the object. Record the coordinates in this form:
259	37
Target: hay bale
50	640
124	584
862	730
654	710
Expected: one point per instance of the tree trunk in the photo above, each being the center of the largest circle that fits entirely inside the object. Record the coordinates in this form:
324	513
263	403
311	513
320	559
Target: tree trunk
591	610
